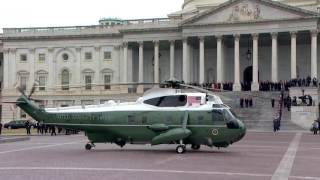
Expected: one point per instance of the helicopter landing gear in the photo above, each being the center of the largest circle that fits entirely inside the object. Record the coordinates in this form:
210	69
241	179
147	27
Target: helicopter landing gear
181	149
89	146
121	143
195	146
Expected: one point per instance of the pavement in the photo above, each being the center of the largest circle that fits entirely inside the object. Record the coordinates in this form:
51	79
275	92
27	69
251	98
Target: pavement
260	155
8	139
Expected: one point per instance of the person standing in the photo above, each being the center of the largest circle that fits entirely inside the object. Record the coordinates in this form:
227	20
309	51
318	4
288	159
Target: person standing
27	125
272	103
53	131
315	127
0	128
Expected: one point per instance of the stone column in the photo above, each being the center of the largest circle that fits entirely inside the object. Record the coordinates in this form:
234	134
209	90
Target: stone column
51	74
96	76
12	68
293	55
314	65
201	62
124	88
172	59
125	63
140	86
219	59
31	68
255	63
236	85
6	70
78	72
156	61
274	60
185	60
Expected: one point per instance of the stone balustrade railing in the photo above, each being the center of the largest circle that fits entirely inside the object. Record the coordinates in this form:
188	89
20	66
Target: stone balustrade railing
79	30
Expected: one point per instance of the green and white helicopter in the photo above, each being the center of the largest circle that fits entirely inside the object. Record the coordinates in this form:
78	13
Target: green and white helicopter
160	116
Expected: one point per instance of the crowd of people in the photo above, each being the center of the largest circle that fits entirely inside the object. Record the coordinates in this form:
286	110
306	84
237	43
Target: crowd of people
263	85
246	102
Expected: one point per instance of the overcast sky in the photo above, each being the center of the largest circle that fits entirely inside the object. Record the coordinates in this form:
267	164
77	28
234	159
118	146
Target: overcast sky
42	13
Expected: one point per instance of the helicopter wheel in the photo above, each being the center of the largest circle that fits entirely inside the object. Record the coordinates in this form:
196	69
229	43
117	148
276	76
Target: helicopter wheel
89	146
195	146
181	149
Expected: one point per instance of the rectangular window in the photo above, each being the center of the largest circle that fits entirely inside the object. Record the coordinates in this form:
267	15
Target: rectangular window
88	55
23	57
42	83
23	83
42	57
107	81
107	55
88	82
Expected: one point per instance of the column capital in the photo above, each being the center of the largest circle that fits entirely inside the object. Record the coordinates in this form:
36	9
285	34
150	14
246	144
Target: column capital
184	39
314	32
97	48
117	46
236	36
31	50
51	49
140	43
156	42
293	34
6	50
255	35
14	50
125	44
201	38
172	42
274	35
219	37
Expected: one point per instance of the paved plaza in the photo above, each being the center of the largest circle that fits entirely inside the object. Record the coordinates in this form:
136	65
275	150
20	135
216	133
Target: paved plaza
260	155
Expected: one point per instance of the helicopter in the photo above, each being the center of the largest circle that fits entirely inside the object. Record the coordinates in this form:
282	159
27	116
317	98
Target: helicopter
163	115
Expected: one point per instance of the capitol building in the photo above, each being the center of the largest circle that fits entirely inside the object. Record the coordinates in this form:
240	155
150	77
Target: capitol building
218	41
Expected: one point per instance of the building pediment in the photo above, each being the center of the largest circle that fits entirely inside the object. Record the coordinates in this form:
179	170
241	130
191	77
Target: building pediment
248	10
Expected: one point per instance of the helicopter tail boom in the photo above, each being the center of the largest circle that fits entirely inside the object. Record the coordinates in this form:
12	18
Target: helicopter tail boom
30	108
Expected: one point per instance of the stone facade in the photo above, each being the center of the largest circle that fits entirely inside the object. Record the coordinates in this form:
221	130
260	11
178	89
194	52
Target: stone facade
74	64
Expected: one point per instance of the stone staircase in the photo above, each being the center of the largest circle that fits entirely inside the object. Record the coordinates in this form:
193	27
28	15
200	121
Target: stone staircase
261	114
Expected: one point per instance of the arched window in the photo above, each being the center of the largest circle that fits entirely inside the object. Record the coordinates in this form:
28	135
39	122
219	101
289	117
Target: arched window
65	79
42	76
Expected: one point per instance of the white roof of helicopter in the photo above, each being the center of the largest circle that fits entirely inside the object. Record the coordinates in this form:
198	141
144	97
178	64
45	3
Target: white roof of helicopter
139	105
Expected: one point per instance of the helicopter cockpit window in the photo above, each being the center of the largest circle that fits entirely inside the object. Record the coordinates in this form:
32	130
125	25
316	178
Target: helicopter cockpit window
232	123
217	117
167	101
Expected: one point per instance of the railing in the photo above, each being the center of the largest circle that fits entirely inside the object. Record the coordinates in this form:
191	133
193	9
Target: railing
95	29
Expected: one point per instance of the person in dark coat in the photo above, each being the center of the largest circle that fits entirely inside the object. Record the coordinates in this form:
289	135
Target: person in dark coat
28	127
241	102
315	127
272	103
246	102
53	131
250	102
0	128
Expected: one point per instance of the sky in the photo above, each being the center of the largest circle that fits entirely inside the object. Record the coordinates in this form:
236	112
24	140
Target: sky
44	13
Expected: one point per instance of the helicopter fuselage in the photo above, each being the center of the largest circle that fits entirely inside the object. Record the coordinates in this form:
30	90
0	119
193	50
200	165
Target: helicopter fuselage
161	119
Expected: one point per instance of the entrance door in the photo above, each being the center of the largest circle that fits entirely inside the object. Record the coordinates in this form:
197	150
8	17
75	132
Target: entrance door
247	78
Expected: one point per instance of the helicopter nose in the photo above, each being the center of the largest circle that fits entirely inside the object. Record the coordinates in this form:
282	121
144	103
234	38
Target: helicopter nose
242	130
